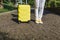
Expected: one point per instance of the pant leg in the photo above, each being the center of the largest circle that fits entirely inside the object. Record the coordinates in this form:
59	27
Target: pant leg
36	10
41	8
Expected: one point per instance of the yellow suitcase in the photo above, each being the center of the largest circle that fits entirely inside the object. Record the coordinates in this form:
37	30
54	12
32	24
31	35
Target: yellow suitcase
24	13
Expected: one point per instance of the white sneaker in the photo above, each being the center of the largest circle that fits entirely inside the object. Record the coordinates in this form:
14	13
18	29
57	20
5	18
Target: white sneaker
37	21
40	21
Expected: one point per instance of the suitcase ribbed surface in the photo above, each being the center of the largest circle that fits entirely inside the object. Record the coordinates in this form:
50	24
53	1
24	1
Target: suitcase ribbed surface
24	13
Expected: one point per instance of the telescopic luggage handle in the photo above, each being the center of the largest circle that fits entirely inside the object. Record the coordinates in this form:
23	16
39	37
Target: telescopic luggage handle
21	1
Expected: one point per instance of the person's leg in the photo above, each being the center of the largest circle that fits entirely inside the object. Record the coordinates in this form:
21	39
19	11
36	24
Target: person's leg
41	9
36	10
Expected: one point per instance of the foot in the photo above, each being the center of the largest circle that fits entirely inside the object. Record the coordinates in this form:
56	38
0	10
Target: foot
40	21
37	21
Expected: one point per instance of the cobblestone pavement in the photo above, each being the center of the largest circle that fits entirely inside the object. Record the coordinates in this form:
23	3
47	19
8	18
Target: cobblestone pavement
11	30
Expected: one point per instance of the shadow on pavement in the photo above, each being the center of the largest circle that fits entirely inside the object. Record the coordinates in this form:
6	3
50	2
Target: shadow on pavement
15	18
55	10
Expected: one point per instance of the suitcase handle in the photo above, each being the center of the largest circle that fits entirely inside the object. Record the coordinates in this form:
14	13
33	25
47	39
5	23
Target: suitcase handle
21	1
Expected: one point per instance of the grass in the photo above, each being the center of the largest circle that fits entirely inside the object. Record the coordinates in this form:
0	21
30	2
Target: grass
6	8
3	10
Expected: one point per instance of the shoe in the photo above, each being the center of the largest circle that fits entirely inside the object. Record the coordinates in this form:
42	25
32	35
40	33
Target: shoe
40	21
37	21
